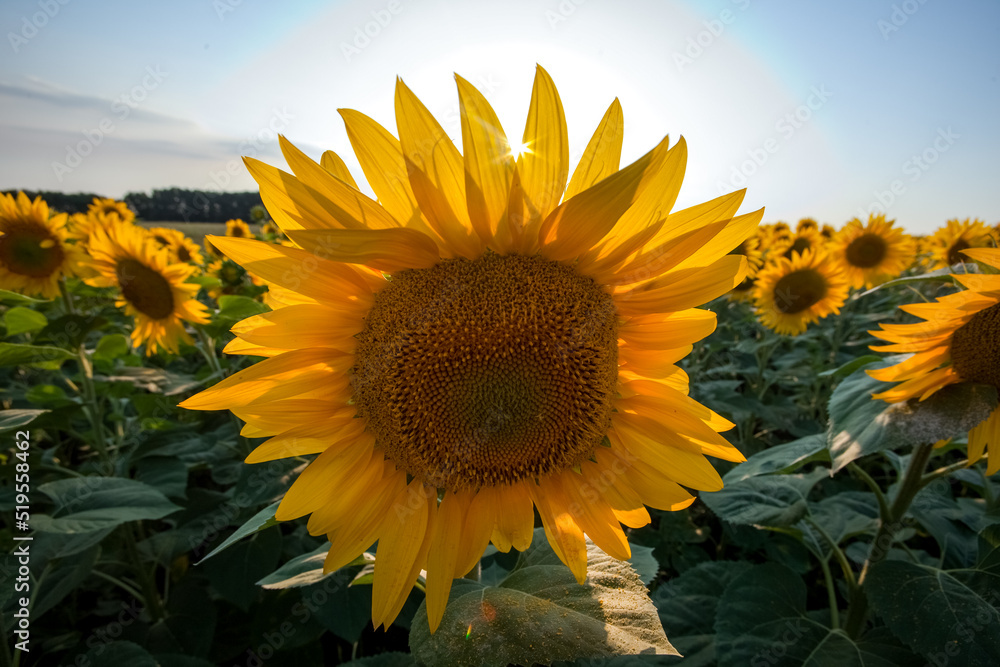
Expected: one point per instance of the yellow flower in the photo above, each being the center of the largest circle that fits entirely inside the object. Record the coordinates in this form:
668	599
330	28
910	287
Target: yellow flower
181	248
807	223
522	354
111	209
792	293
805	238
153	290
238	229
959	341
948	242
34	253
873	253
749	248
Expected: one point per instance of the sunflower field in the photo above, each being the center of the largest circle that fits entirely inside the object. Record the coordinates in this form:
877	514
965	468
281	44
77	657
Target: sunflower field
508	410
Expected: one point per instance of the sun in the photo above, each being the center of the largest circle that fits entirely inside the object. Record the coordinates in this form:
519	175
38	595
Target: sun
489	336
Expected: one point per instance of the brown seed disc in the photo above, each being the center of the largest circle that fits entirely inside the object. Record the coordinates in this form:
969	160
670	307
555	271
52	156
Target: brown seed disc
30	249
480	372
866	251
148	291
799	290
955	255
975	348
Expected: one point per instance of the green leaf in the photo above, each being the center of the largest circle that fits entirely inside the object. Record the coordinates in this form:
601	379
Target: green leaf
21	320
155	380
70	330
259	521
16	418
942	614
391	659
539	614
762	620
844	515
687	605
14	297
861	425
643	562
164	473
119	653
205	281
233	307
234	572
306	570
770	500
87	504
781	458
62	577
112	347
937	276
850	366
12	354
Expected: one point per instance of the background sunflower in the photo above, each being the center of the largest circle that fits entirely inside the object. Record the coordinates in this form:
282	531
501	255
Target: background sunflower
34	253
791	293
872	253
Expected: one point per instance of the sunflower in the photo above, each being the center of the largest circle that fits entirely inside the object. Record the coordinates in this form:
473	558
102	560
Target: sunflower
792	293
749	248
522	354
238	229
805	238
948	242
180	247
114	210
828	232
34	253
958	342
807	223
153	290
872	253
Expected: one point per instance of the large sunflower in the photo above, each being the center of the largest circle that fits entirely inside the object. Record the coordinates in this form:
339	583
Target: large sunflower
948	242
34	253
958	342
872	253
521	355
791	293
153	290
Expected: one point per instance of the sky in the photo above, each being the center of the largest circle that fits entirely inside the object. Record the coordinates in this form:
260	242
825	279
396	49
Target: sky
831	110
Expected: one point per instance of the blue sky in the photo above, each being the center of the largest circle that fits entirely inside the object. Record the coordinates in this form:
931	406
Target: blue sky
820	109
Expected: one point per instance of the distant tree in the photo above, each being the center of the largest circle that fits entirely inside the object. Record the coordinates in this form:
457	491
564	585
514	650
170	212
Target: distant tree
170	204
61	202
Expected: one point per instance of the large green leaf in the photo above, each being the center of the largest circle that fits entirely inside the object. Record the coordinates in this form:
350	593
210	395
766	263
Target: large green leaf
86	504
14	297
539	614
781	458
768	500
16	418
61	577
19	320
12	354
306	570
259	521
841	516
234	307
861	425
688	604
762	620
950	615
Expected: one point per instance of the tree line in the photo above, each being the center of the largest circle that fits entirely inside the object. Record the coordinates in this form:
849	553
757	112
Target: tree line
169	204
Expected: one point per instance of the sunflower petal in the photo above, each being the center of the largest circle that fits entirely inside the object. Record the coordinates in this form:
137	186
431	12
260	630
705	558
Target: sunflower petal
602	156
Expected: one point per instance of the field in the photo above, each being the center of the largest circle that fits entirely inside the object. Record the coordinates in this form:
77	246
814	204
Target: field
792	454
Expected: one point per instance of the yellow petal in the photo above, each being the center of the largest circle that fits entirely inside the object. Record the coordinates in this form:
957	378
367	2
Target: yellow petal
335	165
402	536
681	465
442	557
312	439
593	514
669	330
684	288
544	164
303	326
562	532
388	250
603	154
489	164
436	172
323	474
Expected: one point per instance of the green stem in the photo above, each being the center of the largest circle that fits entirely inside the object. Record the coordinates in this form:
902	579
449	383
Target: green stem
947	470
838	554
883	504
93	407
121	584
150	592
831	594
889	525
67	297
208	351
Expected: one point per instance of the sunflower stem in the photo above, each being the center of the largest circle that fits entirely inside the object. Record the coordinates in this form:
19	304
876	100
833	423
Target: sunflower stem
66	297
207	348
946	470
93	407
150	592
883	504
889	525
831	594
